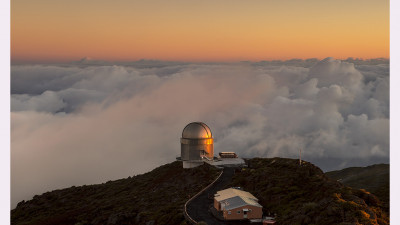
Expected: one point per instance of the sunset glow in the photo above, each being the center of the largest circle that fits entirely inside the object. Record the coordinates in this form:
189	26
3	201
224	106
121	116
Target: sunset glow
47	30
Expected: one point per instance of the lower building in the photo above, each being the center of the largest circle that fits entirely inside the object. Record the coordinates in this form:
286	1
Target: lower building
236	204
228	155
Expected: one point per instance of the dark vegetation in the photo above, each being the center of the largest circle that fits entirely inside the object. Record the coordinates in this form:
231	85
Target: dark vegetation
296	194
305	195
374	179
156	197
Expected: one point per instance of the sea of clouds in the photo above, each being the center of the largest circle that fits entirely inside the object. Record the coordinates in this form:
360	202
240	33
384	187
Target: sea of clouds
89	121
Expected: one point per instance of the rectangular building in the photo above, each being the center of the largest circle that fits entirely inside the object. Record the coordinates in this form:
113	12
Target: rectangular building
227	155
237	204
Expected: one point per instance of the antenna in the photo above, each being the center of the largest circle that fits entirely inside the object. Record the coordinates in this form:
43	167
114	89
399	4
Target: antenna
300	156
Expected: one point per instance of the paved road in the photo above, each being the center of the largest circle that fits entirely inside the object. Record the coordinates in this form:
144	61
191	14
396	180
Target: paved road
198	208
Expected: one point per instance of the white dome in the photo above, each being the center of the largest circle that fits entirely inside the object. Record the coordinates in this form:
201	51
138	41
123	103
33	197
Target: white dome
196	130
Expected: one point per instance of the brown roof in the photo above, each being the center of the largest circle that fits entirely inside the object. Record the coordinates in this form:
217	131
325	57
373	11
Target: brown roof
232	192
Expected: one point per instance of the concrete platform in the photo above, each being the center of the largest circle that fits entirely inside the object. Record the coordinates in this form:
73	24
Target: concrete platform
227	162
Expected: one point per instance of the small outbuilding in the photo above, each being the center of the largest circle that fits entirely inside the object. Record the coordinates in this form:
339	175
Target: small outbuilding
227	155
236	204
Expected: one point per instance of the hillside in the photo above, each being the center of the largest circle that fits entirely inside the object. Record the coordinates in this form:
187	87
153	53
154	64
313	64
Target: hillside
305	195
156	196
374	179
296	194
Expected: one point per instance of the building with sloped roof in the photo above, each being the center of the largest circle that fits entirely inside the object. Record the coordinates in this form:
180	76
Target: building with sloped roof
236	204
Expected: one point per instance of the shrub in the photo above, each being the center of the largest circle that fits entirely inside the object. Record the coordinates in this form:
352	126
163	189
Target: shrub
310	206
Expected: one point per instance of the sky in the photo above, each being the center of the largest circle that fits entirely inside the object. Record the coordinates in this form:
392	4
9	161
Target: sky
109	116
177	30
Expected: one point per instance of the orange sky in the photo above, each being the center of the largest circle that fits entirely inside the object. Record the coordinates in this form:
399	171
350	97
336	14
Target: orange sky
189	30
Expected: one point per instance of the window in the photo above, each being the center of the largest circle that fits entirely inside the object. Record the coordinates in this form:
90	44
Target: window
229	212
238	212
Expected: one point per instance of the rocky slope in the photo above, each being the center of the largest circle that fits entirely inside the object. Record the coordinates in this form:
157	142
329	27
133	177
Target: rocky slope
305	195
374	178
156	197
296	194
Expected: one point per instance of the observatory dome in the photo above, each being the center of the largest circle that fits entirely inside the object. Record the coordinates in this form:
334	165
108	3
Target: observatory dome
197	144
196	130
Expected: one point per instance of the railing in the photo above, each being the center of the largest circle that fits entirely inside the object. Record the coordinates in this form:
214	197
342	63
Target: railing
209	159
190	219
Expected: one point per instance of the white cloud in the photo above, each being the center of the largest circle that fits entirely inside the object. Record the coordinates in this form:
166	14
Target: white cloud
48	101
74	125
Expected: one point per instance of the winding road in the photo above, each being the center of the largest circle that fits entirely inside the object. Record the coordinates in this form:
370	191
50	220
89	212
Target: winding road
198	208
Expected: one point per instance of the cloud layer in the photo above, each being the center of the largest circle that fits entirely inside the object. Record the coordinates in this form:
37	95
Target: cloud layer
80	124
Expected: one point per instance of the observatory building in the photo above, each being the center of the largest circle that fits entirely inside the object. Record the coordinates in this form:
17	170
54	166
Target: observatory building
197	145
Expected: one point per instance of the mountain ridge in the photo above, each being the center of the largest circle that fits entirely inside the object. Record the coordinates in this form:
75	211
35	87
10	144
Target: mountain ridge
374	178
296	194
